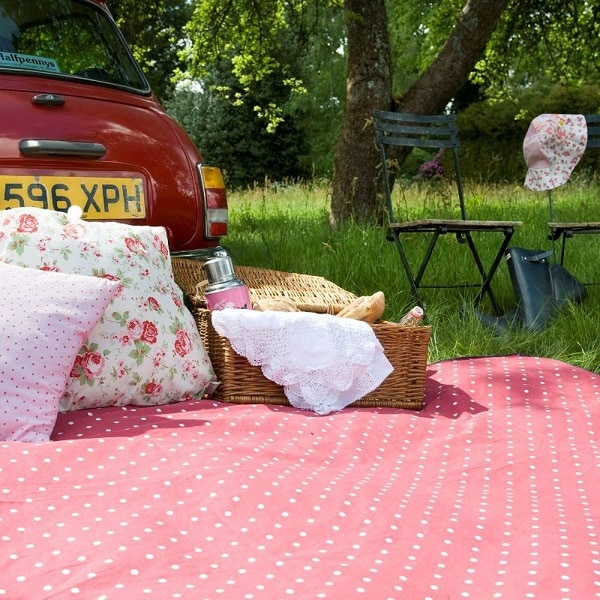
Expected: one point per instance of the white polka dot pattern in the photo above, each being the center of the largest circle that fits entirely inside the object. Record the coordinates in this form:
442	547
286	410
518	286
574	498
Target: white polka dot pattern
490	492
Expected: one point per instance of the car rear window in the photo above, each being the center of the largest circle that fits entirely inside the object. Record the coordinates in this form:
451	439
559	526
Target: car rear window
66	38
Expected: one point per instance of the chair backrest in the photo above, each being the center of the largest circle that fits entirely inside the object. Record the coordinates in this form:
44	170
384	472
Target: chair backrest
593	123
421	131
593	141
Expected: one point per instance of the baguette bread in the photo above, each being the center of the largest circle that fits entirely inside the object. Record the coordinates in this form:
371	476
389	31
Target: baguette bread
365	308
280	304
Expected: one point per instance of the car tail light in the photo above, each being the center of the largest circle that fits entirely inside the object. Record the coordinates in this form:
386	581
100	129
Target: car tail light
215	201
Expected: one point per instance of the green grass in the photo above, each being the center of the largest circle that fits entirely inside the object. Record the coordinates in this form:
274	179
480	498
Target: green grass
286	228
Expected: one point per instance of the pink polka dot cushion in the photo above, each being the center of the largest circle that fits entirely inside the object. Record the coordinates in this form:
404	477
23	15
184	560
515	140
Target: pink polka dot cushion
146	349
45	317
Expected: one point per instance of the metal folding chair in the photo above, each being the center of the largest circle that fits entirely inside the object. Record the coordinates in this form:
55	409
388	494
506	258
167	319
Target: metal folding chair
562	231
394	130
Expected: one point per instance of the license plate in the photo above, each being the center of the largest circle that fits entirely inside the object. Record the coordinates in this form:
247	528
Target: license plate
112	198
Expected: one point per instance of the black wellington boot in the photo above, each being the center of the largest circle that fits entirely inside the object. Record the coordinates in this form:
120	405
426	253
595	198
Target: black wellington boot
541	289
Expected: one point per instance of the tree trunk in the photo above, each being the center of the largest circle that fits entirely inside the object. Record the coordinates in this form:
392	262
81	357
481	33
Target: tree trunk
355	173
368	85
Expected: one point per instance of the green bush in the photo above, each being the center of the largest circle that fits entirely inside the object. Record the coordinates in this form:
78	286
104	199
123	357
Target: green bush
492	133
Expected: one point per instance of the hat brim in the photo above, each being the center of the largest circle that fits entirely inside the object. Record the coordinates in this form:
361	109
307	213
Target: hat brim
542	180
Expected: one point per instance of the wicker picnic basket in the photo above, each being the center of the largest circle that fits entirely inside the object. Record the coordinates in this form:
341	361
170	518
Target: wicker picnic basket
405	347
309	292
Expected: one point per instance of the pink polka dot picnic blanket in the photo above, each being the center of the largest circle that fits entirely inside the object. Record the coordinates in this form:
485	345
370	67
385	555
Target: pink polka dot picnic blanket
492	491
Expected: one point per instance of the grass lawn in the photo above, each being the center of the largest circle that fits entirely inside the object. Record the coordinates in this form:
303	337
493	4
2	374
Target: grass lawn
286	228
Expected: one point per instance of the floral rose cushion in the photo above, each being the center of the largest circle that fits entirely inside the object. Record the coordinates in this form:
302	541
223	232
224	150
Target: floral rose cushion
146	349
44	319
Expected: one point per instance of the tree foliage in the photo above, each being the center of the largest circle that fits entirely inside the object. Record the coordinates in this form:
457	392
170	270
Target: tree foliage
261	39
439	53
264	88
535	42
153	29
233	136
323	67
542	42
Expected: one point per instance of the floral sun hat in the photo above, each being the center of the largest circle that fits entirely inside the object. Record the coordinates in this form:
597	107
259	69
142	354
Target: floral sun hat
552	148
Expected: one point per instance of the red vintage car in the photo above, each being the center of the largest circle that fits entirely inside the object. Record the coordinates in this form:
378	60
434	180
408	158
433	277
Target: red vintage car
79	125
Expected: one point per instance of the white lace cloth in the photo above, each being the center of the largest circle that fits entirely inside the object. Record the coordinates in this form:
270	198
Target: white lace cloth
323	362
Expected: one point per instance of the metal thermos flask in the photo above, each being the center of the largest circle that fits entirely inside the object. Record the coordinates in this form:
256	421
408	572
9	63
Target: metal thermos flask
224	289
